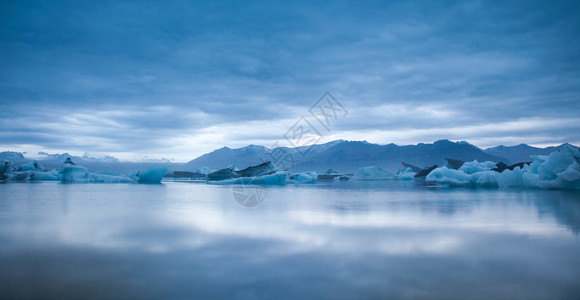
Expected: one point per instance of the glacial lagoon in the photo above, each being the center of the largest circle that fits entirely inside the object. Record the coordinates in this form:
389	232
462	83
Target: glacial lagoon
329	240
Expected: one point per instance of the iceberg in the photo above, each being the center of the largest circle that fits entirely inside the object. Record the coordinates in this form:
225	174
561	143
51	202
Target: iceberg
259	170
332	174
258	173
484	179
406	174
558	170
413	168
451	177
277	178
71	172
154	175
304	177
32	166
5	168
511	178
32	171
475	166
222	174
373	173
107	178
43	176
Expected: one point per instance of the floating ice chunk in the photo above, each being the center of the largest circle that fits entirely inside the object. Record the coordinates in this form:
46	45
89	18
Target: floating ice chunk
44	176
567	179
154	175
373	173
305	177
71	172
473	167
558	162
484	179
108	178
5	166
262	169
32	166
271	179
530	179
571	174
451	177
258	170
19	176
558	170
5	169
406	174
222	174
511	178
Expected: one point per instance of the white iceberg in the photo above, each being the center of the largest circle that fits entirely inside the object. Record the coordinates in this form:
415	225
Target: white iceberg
406	174
444	175
374	173
558	170
304	177
277	178
70	172
154	175
32	166
43	176
473	167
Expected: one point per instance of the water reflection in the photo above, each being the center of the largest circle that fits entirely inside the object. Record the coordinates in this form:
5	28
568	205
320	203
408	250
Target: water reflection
345	240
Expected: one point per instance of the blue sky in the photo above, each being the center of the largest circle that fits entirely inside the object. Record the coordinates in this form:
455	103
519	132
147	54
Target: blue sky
178	79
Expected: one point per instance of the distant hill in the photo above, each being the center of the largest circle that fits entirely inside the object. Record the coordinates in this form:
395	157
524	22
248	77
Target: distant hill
347	156
250	155
344	156
521	152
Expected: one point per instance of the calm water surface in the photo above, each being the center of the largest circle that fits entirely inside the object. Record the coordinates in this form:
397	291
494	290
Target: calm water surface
328	240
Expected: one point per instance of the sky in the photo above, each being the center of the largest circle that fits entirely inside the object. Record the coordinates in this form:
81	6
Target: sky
177	79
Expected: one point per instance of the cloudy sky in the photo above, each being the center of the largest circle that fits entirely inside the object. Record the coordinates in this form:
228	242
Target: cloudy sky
178	79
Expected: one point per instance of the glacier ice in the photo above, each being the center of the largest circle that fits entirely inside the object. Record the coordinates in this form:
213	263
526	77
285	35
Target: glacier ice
234	175
32	166
43	176
374	173
444	175
71	172
558	170
406	174
473	167
151	176
270	179
304	177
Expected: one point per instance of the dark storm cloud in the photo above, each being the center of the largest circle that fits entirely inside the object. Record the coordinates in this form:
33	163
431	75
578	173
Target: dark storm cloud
180	69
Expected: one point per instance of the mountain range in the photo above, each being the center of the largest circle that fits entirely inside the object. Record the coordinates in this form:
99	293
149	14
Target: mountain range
347	156
521	152
344	156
